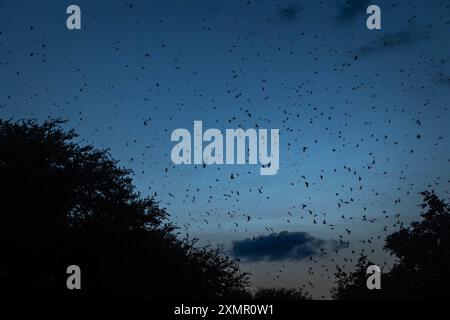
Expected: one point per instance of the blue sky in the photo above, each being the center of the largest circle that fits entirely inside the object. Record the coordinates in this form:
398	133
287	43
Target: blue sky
369	106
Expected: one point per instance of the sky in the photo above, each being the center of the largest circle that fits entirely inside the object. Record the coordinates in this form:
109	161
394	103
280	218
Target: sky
362	114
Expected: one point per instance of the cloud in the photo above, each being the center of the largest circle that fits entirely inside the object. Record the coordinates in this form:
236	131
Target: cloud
441	78
403	38
350	9
284	245
289	12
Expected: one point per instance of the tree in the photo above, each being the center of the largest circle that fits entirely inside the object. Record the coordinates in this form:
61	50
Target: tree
422	267
281	294
423	252
63	204
352	286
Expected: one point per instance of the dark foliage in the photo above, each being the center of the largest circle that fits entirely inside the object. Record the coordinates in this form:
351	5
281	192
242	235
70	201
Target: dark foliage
353	285
63	204
422	269
281	294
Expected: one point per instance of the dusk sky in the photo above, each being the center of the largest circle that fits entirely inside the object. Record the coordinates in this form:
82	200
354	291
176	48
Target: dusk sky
363	114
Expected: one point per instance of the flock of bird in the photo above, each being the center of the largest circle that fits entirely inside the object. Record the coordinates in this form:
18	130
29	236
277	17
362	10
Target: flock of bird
361	133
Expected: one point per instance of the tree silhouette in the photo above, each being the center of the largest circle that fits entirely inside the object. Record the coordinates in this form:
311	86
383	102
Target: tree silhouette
423	250
422	269
63	204
353	285
281	294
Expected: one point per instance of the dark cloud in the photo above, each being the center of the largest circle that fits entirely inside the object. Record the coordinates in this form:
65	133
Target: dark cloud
289	12
403	38
441	78
284	245
350	9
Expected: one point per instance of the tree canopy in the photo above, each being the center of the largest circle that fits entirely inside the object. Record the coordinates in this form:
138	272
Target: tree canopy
63	204
422	267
